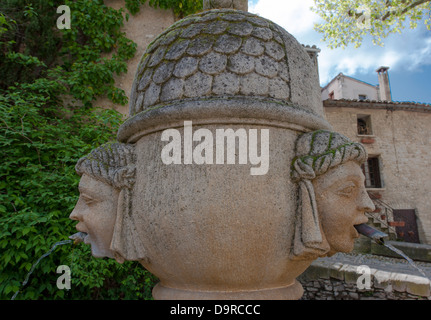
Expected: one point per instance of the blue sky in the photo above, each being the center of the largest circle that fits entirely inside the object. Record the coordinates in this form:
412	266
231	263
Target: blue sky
407	54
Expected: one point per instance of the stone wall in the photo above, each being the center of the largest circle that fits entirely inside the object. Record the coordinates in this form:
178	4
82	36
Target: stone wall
323	281
402	140
332	289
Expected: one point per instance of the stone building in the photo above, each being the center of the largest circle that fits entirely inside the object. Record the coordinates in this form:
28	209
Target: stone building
345	87
397	136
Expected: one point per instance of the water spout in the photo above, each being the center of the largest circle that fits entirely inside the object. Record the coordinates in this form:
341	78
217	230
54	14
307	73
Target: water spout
78	237
371	233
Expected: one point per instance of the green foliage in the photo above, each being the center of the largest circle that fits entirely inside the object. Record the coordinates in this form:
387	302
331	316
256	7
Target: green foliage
41	142
50	79
109	279
180	7
348	21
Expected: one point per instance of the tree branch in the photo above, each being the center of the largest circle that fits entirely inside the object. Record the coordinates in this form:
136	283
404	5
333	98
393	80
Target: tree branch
390	12
409	7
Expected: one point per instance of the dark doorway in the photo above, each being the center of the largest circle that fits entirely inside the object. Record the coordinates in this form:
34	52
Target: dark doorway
406	226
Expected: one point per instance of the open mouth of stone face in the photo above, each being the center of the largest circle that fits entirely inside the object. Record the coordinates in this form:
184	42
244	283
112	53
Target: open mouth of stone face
78	237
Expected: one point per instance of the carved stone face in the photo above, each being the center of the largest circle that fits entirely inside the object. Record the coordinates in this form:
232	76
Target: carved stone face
342	201
96	212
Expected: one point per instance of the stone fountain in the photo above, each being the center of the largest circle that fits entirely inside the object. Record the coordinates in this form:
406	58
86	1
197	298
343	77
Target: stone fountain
226	181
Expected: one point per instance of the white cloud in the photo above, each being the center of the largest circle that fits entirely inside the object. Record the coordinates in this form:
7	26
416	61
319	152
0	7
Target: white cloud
356	61
294	16
405	52
420	56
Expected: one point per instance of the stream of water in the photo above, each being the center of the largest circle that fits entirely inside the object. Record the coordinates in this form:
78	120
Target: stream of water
60	243
378	237
402	254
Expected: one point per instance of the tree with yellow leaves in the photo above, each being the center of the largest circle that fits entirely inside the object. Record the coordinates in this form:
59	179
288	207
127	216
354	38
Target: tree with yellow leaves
348	21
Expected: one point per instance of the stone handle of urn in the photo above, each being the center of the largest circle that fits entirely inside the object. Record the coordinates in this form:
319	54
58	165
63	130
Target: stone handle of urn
228	4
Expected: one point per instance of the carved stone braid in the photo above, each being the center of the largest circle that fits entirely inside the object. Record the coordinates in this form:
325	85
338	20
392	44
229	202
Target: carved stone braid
322	150
112	163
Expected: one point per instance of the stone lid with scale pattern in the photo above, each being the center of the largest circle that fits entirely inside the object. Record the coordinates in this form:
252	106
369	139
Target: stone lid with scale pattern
230	55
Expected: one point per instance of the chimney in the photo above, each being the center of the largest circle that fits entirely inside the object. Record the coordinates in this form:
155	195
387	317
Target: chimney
384	86
313	52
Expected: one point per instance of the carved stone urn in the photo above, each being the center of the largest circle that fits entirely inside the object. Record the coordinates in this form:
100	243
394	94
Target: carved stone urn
219	202
213	230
